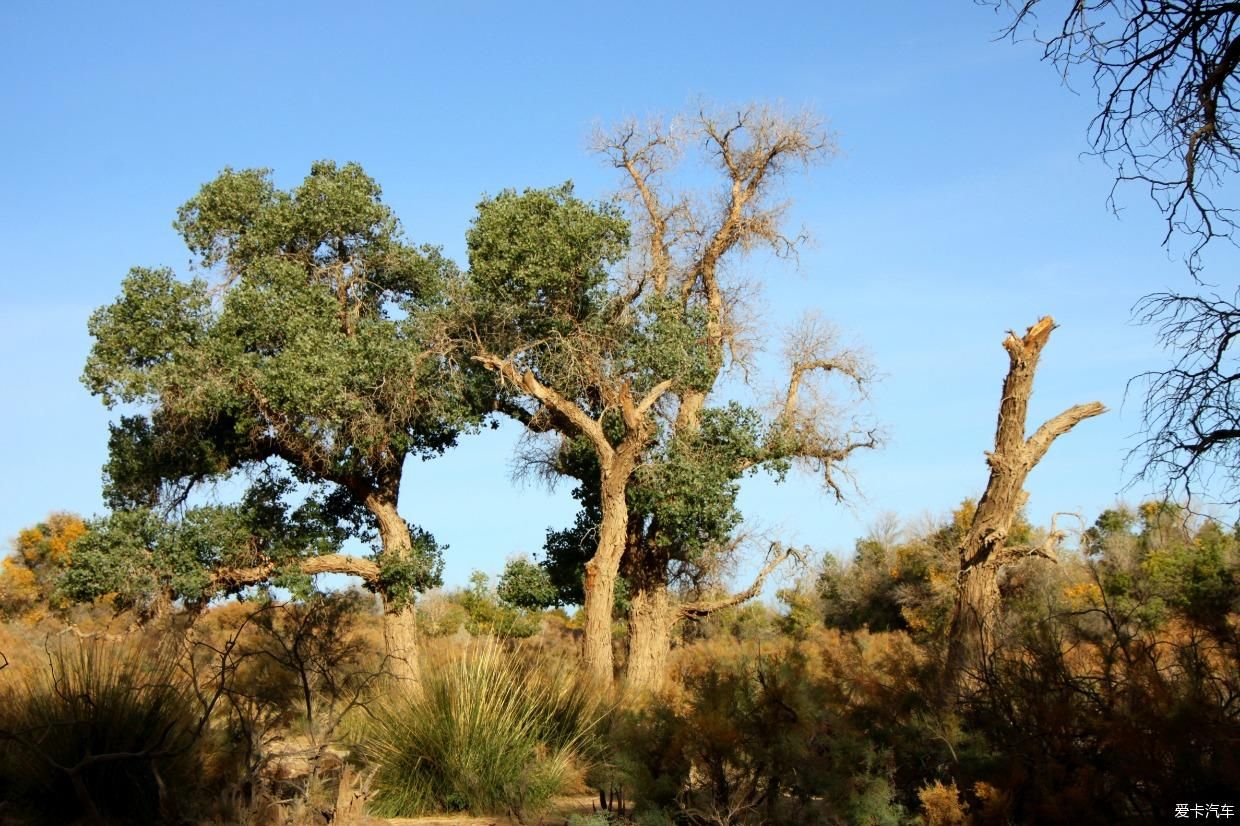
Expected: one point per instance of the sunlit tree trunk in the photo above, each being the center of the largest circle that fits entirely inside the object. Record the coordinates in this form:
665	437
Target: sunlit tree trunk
400	630
984	550
653	615
602	571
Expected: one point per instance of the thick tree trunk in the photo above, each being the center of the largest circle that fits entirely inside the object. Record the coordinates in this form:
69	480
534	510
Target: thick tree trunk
400	638
984	550
399	618
600	579
654	612
973	620
652	618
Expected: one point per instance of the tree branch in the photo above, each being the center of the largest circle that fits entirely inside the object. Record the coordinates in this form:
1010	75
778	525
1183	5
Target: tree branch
703	608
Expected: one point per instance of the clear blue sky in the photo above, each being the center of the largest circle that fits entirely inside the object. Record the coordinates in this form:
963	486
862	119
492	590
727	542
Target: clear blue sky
961	207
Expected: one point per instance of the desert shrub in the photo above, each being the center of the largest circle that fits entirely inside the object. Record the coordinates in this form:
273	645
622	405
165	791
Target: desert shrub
106	732
288	675
775	737
485	731
1092	719
941	805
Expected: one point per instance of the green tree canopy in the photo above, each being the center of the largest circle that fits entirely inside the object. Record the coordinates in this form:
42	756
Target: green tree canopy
303	352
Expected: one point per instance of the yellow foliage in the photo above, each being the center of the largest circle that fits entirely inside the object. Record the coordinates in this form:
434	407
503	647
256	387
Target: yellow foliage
1082	595
50	541
914	620
994	801
27	577
941	805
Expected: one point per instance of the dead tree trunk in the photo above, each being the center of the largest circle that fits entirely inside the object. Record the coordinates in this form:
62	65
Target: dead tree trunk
984	551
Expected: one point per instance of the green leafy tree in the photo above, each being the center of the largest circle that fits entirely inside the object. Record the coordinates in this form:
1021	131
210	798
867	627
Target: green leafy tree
1161	562
526	585
618	365
305	357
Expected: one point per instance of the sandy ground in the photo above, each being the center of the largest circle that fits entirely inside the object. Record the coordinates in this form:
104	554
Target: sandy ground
557	816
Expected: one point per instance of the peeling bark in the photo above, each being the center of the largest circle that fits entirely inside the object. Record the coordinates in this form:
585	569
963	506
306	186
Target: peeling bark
984	551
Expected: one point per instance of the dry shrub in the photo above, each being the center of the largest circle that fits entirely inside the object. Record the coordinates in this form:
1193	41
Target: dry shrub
941	805
107	729
783	733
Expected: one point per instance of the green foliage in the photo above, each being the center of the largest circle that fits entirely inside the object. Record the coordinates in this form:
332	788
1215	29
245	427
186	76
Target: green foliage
484	732
142	557
1169	567
486	614
687	495
104	726
891	585
402	577
524	584
311	358
538	260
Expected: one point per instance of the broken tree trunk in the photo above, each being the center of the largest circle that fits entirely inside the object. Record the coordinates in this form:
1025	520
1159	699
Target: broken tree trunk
984	551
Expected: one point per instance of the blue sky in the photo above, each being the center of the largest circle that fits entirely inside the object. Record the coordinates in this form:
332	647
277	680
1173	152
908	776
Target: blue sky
961	206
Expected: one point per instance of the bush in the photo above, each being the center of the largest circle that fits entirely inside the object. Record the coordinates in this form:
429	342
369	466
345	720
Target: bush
485	732
786	736
106	732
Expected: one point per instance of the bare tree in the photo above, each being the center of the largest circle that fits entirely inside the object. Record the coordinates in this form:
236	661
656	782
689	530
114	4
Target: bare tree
1166	76
984	550
1192	410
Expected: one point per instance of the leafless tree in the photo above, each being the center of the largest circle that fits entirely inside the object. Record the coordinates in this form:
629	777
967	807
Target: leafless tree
984	550
1192	411
1166	77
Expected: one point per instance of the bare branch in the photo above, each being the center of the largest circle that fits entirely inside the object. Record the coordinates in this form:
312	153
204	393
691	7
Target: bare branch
777	556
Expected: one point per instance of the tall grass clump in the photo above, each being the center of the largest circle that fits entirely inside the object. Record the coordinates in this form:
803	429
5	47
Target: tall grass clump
106	732
485	732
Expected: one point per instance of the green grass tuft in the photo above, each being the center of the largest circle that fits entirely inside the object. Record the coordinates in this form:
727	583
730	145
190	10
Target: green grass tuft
485	732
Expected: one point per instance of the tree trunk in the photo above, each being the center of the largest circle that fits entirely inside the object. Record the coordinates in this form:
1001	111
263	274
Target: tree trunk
600	579
652	617
400	630
973	620
400	638
984	550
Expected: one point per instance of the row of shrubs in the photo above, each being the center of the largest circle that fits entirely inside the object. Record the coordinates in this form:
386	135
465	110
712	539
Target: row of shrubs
839	727
1111	697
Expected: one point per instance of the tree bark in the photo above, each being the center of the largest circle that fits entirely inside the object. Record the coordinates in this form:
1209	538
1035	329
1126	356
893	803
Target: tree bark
601	573
984	551
652	618
400	629
654	612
